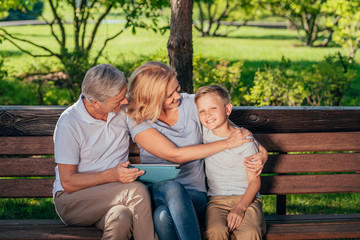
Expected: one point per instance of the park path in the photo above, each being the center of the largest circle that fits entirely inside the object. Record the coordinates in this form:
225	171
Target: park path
250	24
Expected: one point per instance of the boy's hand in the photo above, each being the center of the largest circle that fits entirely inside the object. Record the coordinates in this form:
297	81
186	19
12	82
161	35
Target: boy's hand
238	137
234	218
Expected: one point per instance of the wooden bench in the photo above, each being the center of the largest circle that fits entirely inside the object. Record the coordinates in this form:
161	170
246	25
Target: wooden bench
294	136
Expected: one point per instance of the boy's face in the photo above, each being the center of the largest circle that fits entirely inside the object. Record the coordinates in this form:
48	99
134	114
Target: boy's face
213	112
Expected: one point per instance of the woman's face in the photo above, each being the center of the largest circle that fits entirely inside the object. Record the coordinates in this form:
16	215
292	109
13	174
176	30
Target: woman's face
172	97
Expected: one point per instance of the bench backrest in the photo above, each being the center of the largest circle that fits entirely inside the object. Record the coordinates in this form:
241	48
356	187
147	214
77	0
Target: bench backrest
312	149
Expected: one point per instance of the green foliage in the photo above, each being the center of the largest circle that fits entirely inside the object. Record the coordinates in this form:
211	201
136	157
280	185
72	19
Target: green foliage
78	55
6	5
27	208
322	84
27	12
328	81
346	28
224	73
277	86
304	15
212	12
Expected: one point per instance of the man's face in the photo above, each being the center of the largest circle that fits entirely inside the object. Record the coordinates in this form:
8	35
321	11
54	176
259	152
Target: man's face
114	104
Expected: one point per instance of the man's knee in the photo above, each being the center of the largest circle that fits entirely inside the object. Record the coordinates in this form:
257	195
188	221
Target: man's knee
118	223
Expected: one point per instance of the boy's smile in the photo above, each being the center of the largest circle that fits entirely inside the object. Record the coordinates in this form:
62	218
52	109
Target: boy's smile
213	112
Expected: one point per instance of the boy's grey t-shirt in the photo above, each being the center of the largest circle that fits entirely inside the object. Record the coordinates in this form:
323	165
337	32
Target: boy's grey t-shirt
185	132
225	171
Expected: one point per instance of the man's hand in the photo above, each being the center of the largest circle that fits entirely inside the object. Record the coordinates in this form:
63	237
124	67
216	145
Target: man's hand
124	174
234	218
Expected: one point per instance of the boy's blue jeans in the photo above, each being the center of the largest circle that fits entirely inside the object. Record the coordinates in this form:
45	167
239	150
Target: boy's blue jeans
177	211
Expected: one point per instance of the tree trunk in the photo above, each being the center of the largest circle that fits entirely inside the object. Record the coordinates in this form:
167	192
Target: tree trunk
180	42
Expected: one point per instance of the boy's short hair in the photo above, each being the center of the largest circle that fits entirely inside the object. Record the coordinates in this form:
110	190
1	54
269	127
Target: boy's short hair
213	89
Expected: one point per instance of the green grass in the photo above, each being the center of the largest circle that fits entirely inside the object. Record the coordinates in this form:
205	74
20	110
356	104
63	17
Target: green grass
254	46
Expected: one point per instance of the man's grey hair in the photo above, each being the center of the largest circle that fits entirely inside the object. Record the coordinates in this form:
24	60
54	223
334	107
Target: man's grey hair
102	82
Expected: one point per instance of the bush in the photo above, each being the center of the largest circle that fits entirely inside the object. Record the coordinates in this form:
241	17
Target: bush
322	84
224	73
26	14
328	81
277	87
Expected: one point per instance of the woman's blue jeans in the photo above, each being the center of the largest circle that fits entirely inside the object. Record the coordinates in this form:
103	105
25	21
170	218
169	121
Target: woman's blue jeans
177	211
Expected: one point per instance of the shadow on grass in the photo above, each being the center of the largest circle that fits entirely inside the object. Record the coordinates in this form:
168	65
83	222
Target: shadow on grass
266	37
11	53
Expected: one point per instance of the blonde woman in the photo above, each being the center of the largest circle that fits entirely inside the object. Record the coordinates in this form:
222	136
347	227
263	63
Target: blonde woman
165	125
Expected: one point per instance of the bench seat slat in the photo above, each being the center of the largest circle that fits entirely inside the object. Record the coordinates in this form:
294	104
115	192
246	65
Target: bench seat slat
49	232
34	167
283	163
26	188
321	162
304	184
27	167
282	184
303	142
38	145
331	230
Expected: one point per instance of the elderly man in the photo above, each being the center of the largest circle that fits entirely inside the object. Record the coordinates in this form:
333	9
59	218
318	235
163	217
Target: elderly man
93	184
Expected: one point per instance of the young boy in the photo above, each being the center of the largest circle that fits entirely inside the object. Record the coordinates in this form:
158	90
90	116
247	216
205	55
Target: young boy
234	199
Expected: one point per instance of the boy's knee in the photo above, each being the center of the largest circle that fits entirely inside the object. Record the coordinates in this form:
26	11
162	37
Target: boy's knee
217	231
250	233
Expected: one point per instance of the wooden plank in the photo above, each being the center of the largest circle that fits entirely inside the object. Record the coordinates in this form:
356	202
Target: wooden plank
331	230
37	145
297	119
304	184
40	120
288	184
302	163
26	188
27	167
34	167
50	232
29	120
303	142
313	218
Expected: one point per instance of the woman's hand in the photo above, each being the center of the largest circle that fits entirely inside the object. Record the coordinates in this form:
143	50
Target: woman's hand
238	137
256	162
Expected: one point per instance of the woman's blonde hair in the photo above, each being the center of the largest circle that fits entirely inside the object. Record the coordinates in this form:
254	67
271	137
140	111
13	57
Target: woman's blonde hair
147	91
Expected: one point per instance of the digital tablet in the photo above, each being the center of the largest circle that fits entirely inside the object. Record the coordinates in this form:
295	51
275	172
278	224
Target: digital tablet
157	172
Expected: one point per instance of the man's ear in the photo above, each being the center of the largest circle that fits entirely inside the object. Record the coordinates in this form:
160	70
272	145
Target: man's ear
228	107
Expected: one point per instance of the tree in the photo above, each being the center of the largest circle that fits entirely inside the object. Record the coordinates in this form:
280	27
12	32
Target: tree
213	13
180	48
347	28
87	16
306	15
